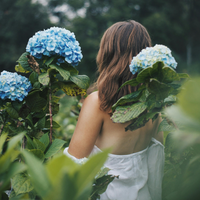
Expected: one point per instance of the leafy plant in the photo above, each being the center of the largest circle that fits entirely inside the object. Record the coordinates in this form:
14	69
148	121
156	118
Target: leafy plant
181	179
158	89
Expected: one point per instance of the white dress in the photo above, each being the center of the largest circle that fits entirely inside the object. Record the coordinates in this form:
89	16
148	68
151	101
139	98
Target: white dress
140	174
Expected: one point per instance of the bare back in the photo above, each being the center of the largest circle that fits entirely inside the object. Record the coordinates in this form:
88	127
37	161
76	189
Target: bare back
126	142
95	127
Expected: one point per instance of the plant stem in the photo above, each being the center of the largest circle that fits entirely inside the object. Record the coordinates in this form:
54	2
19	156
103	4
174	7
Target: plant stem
50	114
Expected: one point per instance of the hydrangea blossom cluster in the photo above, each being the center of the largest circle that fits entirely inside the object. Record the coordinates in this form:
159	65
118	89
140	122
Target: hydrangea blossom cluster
147	57
55	41
13	86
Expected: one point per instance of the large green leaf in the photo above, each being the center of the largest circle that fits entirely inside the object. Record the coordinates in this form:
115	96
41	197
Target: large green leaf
12	112
141	121
64	73
12	170
2	141
124	114
55	166
35	102
81	81
150	72
166	127
127	98
45	139
41	122
23	60
10	155
64	188
33	77
168	75
50	60
21	184
38	174
20	69
38	153
89	170
39	145
132	82
54	148
161	90
44	78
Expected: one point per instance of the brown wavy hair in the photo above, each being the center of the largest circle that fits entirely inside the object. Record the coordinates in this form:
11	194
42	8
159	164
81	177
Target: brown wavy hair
119	44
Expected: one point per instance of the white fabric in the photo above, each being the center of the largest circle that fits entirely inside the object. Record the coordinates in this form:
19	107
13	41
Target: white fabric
140	174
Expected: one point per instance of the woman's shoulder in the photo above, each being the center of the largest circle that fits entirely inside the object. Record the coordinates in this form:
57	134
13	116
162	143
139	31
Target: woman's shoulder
92	101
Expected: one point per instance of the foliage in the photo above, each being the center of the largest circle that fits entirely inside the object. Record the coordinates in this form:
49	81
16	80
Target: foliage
32	114
158	87
181	179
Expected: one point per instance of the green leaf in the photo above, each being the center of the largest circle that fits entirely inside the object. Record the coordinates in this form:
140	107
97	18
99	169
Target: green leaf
55	124
39	145
150	72
21	184
161	90
55	166
12	170
20	69
124	114
41	123
64	73
54	148
170	99
44	78
50	60
33	77
166	127
81	81
38	174
10	155
29	120
45	139
183	75
37	153
35	102
141	121
2	141
17	105
132	82
144	95
89	169
12	112
127	98
168	75
29	143
36	85
23	61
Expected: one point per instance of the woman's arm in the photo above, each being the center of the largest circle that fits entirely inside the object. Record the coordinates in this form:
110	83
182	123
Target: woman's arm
88	127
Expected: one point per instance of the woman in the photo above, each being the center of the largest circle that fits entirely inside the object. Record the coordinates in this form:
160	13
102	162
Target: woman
137	156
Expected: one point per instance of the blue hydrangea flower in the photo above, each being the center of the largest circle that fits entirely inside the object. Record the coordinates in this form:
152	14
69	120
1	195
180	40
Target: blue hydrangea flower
147	57
55	41
14	86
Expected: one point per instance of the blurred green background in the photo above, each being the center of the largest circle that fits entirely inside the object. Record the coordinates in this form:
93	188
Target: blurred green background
172	23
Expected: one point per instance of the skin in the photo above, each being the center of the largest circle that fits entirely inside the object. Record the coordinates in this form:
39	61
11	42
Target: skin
94	127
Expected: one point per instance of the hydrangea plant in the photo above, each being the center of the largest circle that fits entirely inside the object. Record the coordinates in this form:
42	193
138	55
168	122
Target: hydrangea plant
147	57
157	83
14	86
55	41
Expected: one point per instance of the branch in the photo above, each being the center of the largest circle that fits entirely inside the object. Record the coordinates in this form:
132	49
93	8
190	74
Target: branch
50	114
